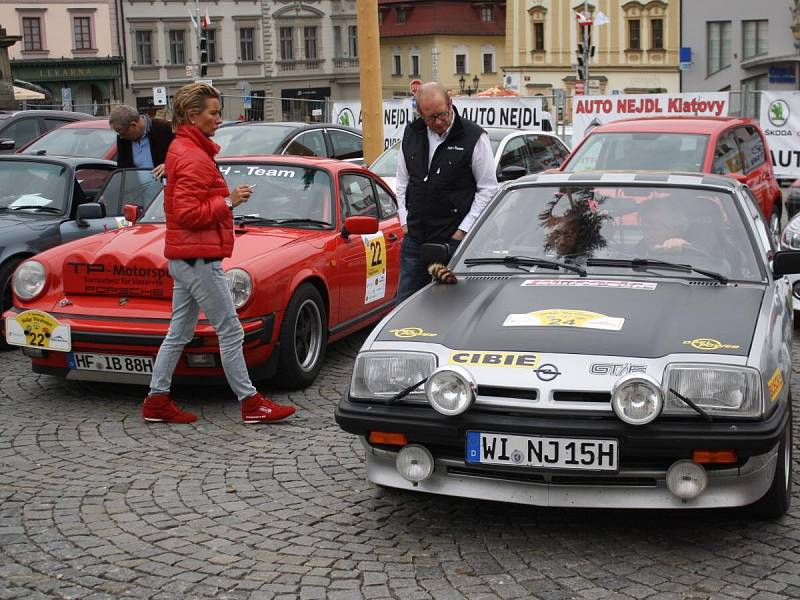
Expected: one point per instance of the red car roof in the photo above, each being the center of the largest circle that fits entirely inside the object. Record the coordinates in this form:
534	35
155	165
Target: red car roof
682	124
90	124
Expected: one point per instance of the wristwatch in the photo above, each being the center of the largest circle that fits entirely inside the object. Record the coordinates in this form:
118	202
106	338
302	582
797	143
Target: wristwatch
229	202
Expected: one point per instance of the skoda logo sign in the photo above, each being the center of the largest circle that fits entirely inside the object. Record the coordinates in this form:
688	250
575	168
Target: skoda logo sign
778	113
547	372
346	118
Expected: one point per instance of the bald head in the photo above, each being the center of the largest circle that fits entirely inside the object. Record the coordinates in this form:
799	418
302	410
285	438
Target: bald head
430	91
433	105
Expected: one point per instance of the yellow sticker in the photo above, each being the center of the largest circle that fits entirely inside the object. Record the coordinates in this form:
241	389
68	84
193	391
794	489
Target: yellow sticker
479	358
36	329
562	317
775	384
709	344
412	332
375	251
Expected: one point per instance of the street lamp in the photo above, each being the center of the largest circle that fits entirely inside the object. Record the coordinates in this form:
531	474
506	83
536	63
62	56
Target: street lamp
470	90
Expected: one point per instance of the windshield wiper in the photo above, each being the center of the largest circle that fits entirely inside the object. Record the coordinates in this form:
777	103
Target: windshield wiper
50	209
301	221
527	261
643	263
691	404
245	219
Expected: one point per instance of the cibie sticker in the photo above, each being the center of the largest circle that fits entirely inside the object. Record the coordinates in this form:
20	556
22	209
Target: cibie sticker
375	251
775	384
561	317
36	329
478	358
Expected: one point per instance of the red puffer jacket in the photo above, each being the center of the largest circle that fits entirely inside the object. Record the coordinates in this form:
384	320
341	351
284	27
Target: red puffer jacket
199	223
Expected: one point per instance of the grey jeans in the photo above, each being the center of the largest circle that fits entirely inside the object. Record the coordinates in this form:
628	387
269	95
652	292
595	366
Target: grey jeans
197	287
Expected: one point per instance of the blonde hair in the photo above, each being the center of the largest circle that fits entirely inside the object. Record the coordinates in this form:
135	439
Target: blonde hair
191	99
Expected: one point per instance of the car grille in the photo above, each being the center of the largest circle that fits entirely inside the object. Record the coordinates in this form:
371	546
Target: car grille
504	392
528	477
576	396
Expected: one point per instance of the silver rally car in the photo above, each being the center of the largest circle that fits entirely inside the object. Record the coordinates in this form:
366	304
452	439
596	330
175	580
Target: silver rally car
613	340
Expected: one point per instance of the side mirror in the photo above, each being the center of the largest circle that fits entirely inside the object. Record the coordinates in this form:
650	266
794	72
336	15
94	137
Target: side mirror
511	172
434	253
785	262
359	226
7	144
89	211
132	212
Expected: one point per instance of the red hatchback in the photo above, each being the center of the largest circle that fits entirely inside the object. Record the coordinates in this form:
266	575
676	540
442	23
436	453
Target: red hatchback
723	145
316	257
92	139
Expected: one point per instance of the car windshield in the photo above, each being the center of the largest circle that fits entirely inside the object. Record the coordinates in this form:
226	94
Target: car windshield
247	140
91	143
640	152
386	164
33	186
284	194
609	230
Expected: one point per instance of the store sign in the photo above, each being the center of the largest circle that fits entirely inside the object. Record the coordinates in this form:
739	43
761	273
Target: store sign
780	120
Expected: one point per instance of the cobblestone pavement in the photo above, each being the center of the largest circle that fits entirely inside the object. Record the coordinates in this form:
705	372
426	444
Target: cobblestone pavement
96	504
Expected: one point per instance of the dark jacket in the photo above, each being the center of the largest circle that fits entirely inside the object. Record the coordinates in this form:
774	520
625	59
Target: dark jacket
199	223
440	196
160	138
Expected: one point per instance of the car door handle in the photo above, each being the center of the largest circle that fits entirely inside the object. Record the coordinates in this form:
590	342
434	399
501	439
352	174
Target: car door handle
391	237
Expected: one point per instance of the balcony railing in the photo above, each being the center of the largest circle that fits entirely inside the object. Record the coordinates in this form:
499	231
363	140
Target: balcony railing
300	65
345	63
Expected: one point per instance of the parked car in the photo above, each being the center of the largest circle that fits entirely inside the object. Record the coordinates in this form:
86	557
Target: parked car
790	240
523	150
316	257
723	145
17	128
45	201
793	199
92	139
583	360
251	138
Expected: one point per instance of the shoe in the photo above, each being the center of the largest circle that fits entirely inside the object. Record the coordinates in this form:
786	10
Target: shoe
159	408
258	409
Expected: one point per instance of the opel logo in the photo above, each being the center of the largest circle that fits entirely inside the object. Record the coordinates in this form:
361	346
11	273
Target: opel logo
547	372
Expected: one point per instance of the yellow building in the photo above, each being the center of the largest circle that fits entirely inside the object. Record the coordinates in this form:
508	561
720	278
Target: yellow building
441	40
637	51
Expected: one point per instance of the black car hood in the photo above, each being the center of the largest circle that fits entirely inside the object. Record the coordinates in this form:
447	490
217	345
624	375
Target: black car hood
674	317
27	220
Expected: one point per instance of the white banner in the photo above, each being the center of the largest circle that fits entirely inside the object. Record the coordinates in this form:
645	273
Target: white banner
518	112
780	120
590	111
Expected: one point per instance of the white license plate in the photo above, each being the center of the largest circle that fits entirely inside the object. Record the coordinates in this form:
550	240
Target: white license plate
113	363
541	451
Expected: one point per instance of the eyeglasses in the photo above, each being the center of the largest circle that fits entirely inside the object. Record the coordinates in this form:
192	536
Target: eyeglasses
442	116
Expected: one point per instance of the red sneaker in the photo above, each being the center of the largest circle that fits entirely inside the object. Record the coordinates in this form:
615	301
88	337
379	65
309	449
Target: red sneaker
258	409
159	408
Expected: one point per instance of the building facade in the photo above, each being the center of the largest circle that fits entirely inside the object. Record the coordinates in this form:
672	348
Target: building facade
441	40
290	58
742	47
70	48
636	51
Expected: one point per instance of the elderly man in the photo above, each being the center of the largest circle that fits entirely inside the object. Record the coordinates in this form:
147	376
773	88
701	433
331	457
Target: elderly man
445	178
142	142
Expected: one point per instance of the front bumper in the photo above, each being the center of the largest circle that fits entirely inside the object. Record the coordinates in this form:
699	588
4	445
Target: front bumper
645	454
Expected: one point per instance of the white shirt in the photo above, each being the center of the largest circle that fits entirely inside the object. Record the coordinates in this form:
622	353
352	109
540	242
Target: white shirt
483	170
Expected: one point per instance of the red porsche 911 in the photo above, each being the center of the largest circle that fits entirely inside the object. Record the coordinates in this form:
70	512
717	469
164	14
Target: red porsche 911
316	257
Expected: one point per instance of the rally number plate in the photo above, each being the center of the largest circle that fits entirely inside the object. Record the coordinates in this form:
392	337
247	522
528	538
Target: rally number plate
540	451
113	363
37	329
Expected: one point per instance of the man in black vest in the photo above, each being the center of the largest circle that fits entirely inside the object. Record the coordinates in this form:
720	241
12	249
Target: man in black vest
445	178
142	142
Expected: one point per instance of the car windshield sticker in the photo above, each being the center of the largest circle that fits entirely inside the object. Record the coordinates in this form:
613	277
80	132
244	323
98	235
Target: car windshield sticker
256	171
560	317
412	332
775	384
479	358
30	200
595	283
37	329
709	344
375	251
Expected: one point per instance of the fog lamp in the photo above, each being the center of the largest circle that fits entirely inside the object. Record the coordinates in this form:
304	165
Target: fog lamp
199	361
686	479
414	463
34	352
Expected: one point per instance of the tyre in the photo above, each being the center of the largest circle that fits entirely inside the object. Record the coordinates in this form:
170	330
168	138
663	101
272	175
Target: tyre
303	338
796	319
6	298
775	503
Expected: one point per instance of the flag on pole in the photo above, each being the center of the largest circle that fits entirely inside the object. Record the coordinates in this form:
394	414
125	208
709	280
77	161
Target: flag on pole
601	19
191	16
583	20
206	21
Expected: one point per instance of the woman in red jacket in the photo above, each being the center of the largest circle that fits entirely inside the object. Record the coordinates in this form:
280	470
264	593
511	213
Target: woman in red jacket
199	235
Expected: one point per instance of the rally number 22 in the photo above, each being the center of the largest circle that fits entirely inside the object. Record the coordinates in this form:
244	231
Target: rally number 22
375	246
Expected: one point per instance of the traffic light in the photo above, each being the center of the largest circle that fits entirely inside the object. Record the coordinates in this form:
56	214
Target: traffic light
203	56
581	63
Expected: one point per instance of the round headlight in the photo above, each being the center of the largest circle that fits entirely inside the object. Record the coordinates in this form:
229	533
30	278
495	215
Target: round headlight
636	398
414	463
686	479
29	279
451	390
240	285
